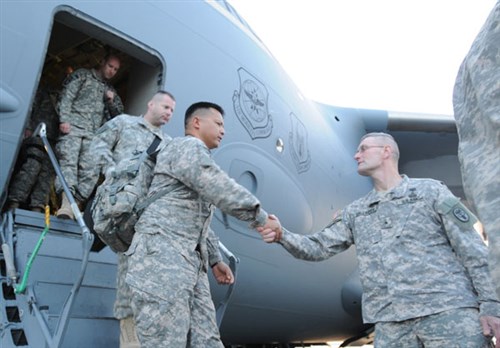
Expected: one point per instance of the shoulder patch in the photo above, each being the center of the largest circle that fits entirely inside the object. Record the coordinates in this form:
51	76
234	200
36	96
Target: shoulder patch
461	214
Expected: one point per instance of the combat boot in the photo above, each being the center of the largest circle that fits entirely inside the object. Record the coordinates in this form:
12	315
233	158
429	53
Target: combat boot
128	334
11	205
65	211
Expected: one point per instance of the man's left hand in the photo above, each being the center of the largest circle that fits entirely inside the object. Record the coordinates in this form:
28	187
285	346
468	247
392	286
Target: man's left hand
222	273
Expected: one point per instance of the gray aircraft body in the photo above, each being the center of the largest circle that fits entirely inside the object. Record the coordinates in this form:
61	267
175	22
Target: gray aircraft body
294	154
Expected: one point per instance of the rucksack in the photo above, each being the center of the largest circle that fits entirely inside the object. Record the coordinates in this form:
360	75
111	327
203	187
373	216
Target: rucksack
121	198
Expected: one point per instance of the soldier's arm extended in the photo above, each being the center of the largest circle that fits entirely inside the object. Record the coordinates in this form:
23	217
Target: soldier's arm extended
333	239
196	169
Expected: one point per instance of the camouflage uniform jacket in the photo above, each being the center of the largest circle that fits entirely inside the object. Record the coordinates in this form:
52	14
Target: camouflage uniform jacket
125	137
83	103
476	106
418	253
194	184
44	110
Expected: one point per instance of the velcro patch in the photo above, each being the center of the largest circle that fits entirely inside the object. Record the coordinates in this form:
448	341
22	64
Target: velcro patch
461	214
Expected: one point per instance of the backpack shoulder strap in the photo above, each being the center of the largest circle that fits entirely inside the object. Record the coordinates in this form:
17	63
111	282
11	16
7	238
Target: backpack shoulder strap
154	146
151	152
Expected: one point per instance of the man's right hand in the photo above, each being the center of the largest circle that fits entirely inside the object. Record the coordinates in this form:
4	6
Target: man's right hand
271	231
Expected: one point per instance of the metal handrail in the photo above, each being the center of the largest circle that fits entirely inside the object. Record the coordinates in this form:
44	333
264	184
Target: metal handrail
55	341
233	263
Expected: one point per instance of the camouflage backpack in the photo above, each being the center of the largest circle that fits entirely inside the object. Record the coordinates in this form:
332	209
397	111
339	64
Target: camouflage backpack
121	198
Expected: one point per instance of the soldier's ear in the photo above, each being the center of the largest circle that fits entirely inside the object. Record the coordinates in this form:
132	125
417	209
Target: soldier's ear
196	122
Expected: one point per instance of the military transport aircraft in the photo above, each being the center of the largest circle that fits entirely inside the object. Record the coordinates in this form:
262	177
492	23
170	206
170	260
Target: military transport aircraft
294	154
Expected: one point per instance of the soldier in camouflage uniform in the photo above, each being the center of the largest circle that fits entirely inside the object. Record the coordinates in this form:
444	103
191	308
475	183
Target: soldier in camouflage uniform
476	102
423	267
34	179
86	99
114	144
168	256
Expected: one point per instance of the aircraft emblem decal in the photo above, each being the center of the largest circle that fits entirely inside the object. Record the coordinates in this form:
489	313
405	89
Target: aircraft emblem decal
299	146
250	106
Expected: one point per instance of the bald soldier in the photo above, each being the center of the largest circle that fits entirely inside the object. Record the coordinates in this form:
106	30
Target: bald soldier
423	267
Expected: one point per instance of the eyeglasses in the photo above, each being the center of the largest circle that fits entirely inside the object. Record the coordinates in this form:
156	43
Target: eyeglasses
363	148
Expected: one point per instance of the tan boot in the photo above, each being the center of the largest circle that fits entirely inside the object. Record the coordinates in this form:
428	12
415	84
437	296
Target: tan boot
65	211
128	335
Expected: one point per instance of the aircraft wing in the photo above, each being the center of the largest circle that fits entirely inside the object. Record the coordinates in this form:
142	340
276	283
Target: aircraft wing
428	143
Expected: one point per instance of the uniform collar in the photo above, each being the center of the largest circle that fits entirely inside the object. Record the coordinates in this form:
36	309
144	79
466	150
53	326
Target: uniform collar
156	130
96	75
374	197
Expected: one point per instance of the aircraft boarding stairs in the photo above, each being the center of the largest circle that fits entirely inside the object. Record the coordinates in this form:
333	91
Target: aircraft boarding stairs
32	318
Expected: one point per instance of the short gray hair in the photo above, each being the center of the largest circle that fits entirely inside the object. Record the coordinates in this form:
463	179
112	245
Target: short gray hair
387	139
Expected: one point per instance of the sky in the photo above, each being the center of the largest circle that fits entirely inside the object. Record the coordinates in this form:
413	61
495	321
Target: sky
396	55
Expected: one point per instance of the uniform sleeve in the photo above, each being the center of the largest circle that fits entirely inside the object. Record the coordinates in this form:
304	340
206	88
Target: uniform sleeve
214	255
333	239
194	167
103	144
35	112
114	107
469	248
70	91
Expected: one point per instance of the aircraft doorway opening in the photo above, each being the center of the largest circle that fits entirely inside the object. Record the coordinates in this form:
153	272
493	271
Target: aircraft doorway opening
79	41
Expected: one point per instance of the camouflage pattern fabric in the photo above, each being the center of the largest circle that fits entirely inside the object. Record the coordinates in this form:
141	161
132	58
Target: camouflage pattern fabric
34	179
45	110
168	256
84	107
31	184
76	162
418	253
83	101
114	144
186	318
476	102
458	328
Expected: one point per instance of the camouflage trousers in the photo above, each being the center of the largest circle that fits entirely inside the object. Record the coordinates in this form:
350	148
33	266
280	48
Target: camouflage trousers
456	328
481	179
77	163
184	316
33	180
122	308
494	261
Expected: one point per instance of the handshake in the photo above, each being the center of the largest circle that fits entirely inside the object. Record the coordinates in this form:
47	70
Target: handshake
271	232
